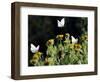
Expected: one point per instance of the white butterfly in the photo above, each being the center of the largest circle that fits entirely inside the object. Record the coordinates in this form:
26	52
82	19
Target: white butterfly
34	49
74	40
61	23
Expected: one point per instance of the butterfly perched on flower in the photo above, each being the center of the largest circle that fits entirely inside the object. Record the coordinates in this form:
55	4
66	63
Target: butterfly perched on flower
34	49
74	40
61	23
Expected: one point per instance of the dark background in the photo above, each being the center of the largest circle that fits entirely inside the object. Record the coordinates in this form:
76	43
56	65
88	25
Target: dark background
43	28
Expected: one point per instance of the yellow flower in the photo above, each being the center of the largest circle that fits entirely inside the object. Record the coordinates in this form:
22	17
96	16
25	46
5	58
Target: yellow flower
67	35
60	37
77	47
50	42
37	55
84	37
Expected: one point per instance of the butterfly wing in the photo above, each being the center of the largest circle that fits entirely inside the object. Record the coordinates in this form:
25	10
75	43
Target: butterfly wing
74	40
33	48
37	48
59	23
62	22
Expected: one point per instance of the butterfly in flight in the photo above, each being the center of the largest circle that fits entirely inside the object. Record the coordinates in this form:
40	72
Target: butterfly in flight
61	23
34	49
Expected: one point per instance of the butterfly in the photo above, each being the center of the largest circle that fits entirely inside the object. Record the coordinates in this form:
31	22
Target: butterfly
61	23
34	49
74	40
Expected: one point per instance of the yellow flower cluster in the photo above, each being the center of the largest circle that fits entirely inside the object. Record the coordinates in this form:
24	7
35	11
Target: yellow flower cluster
50	42
60	37
36	57
77	47
84	37
63	52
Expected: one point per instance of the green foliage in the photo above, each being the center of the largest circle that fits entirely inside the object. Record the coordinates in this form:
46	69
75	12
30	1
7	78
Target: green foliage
64	52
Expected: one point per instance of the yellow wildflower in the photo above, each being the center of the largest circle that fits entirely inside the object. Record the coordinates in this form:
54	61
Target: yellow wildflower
60	37
50	42
77	47
37	55
84	37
